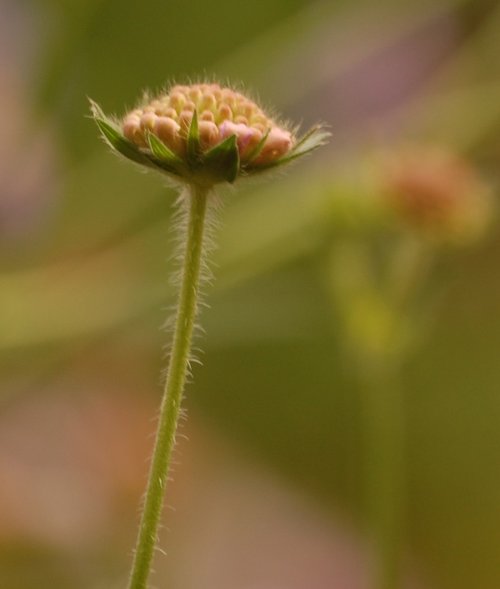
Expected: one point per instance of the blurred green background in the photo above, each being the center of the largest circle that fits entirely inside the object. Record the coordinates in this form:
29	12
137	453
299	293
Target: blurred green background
268	490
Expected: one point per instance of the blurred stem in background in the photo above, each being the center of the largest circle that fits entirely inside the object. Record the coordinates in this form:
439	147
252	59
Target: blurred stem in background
374	294
383	420
416	203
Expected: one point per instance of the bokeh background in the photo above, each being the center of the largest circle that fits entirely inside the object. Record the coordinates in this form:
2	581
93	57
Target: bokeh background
267	492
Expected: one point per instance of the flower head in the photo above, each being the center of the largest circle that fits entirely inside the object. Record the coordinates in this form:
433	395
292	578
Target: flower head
204	133
438	193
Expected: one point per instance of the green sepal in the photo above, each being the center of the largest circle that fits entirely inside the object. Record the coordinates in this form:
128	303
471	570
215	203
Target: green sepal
193	141
314	138
161	152
96	110
121	144
116	140
222	162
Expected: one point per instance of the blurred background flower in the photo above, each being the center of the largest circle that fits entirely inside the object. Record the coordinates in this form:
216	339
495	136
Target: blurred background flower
269	487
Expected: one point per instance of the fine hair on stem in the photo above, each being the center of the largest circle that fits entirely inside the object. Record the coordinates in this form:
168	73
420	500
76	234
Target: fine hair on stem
194	220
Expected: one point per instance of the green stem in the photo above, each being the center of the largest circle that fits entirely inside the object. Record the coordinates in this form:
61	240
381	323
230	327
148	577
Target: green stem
172	397
385	475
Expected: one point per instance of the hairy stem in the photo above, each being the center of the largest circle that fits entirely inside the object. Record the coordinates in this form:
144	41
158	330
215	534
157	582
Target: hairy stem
174	386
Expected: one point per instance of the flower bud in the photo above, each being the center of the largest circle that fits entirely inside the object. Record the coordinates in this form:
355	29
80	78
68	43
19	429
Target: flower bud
148	121
132	128
278	143
229	128
177	100
185	119
207	115
229	97
169	112
209	134
189	106
204	133
224	113
216	92
437	192
169	132
195	93
208	101
248	109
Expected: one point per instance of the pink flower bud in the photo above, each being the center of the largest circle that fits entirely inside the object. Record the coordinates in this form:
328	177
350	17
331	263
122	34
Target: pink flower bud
132	129
169	132
221	113
177	100
209	134
437	192
185	119
195	93
277	144
208	101
246	137
224	113
207	115
148	121
189	106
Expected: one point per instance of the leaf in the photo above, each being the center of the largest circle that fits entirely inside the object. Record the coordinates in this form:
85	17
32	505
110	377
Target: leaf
223	160
193	140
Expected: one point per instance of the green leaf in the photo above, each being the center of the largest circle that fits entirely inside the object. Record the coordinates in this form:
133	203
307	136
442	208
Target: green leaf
223	160
193	140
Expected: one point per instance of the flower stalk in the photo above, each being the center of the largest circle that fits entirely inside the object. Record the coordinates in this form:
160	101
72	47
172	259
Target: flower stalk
416	203
176	378
197	136
383	419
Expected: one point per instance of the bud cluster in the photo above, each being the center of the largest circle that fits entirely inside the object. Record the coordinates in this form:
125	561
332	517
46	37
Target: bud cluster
221	112
204	134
